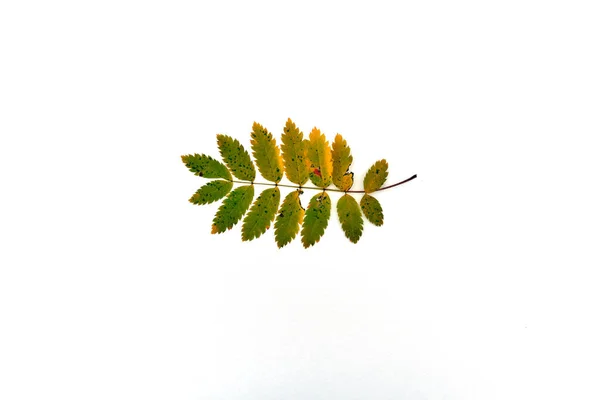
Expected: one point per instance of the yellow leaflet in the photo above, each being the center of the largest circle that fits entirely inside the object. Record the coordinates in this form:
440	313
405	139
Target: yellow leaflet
341	163
287	223
372	209
376	176
294	151
233	208
319	157
236	157
261	214
316	219
350	217
266	153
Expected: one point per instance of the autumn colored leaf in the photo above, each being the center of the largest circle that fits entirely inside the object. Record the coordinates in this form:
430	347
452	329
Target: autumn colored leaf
287	223
266	153
300	159
293	149
342	159
206	166
236	157
319	157
233	208
350	217
376	176
316	219
372	209
261	214
211	192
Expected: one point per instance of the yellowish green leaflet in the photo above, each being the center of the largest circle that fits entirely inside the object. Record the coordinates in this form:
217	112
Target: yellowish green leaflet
376	176
293	149
236	157
233	208
316	219
261	214
342	159
372	209
319	157
212	191
287	223
350	217
206	166
266	153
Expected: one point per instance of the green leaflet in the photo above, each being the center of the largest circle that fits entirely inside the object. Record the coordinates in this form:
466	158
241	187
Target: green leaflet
266	153
341	163
261	214
212	191
319	157
287	223
350	217
372	209
293	149
236	157
206	166
316	219
233	208
376	176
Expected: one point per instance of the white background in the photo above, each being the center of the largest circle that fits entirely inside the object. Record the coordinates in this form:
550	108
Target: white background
482	283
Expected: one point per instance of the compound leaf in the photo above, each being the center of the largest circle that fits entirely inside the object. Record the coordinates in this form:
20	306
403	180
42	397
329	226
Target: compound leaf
261	214
233	208
350	217
341	163
206	166
294	150
316	219
211	192
236	157
319	157
376	176
372	209
301	159
287	223
266	153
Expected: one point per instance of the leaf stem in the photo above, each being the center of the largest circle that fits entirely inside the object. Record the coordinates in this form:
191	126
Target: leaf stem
324	189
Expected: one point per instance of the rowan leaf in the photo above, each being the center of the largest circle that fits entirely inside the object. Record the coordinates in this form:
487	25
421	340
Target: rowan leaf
316	219
319	157
350	217
233	208
287	223
261	214
301	159
293	149
211	192
236	157
206	166
342	159
372	209
266	153
376	176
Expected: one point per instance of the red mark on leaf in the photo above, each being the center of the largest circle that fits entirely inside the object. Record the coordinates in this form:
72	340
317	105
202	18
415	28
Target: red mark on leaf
317	171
